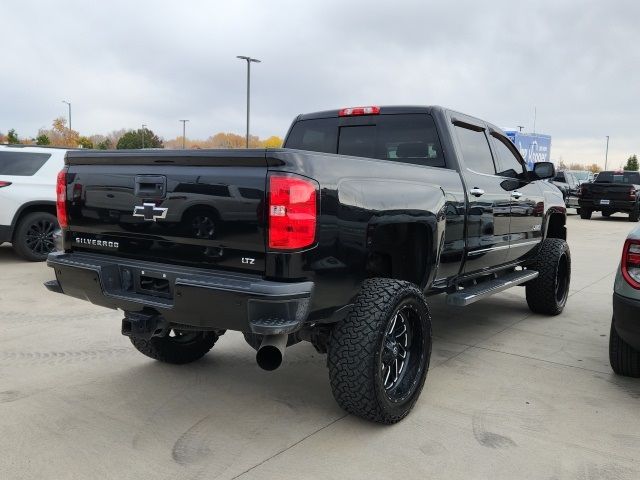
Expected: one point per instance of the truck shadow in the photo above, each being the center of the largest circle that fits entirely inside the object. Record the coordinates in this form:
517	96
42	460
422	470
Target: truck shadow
7	255
612	218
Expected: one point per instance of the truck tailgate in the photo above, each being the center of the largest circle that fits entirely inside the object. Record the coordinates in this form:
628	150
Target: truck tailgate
195	208
611	191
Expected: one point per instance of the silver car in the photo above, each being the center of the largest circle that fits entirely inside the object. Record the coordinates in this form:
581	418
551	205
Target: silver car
624	342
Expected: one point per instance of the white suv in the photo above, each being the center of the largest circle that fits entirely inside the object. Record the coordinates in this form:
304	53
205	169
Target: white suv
28	198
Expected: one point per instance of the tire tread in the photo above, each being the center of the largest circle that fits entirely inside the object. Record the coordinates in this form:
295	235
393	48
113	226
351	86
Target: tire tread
163	350
540	292
624	359
353	347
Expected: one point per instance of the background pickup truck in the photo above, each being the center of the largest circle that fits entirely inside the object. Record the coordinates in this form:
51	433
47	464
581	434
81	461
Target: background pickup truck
610	193
335	239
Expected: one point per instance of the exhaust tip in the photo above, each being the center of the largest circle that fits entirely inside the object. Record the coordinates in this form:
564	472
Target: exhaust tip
269	357
271	352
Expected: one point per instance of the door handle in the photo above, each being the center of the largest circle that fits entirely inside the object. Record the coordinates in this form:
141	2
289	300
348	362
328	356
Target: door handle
516	194
476	192
150	186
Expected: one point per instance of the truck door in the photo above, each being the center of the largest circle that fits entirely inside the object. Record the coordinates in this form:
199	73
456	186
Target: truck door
527	201
488	206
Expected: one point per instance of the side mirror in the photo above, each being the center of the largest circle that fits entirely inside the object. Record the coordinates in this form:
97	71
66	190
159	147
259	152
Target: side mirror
511	184
544	170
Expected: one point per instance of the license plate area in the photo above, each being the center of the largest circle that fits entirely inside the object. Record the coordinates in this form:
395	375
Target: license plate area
147	282
605	202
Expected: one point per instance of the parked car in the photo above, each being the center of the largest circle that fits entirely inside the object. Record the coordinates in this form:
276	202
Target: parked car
334	239
582	176
569	185
28	199
611	192
624	341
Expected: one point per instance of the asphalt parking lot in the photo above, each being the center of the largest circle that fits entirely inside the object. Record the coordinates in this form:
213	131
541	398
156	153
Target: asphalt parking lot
510	394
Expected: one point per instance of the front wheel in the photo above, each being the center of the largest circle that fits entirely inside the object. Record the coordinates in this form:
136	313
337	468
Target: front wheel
548	292
178	346
379	355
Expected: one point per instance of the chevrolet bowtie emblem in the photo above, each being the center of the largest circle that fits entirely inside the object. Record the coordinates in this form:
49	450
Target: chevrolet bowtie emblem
150	212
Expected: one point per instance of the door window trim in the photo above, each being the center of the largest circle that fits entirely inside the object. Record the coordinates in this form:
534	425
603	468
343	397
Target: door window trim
511	147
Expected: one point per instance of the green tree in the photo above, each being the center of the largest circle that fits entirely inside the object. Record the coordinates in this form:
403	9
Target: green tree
134	140
43	139
632	163
84	142
12	137
104	145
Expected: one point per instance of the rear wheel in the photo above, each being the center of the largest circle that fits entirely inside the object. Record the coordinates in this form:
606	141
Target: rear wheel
379	355
178	346
33	238
624	359
585	213
634	214
548	292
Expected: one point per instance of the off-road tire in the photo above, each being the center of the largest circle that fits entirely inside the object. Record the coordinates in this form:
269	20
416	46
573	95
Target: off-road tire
634	214
547	294
169	350
356	350
624	359
24	231
585	213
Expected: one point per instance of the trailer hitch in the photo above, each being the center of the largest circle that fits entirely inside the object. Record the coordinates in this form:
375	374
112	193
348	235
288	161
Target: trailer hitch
144	325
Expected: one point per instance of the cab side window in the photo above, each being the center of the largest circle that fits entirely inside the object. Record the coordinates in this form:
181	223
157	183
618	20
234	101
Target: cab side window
475	149
508	163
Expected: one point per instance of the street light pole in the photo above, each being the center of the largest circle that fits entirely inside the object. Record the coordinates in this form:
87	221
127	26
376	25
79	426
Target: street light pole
69	105
143	127
184	123
249	60
606	154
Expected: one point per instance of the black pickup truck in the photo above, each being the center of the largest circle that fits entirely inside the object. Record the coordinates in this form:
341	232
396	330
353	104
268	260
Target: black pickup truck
335	239
610	193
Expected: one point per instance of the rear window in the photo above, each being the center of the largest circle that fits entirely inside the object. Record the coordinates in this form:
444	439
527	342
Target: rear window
410	138
619	177
21	164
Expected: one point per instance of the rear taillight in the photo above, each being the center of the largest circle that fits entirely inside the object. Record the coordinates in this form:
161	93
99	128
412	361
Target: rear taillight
61	199
292	212
630	264
632	193
4	184
354	111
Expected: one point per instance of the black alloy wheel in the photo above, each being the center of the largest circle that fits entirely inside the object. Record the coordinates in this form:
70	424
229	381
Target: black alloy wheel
33	239
39	237
401	351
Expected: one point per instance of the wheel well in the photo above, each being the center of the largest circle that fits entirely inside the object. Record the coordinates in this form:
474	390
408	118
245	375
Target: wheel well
556	226
34	207
399	251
